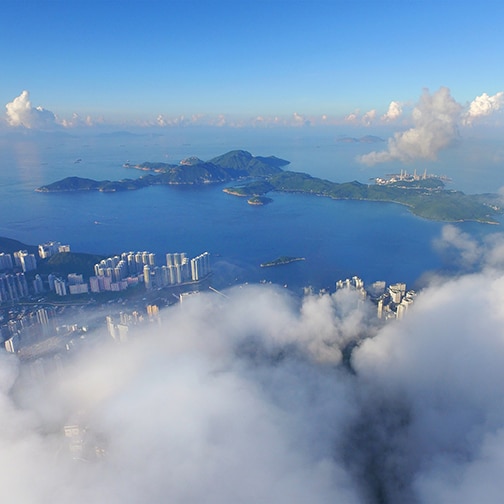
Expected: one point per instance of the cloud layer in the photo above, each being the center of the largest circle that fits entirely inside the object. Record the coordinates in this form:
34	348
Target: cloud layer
211	407
426	118
253	398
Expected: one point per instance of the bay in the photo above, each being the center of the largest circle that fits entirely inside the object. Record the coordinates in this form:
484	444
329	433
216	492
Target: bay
339	239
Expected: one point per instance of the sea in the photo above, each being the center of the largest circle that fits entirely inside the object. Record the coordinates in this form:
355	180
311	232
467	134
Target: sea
338	239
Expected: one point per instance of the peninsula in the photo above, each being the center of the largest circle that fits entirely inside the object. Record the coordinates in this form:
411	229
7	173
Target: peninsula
425	198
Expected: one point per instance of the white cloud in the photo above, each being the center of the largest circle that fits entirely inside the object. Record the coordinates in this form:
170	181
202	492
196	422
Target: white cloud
435	121
459	247
220	404
76	121
394	112
245	399
300	120
352	118
369	117
181	120
484	105
221	121
21	113
466	253
443	367
160	120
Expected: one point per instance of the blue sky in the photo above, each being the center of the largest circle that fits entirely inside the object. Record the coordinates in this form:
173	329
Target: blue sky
130	61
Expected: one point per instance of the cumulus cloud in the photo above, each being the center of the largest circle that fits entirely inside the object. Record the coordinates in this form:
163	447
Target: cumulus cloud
352	118
20	112
435	122
484	105
195	119
463	252
459	248
394	112
366	119
369	117
181	120
300	120
255	397
435	119
76	121
439	371
161	121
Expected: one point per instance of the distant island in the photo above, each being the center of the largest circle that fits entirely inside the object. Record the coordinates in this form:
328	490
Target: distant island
281	261
425	196
364	139
231	166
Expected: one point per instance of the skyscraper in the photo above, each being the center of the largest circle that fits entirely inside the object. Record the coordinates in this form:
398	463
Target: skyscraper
147	277
200	266
5	261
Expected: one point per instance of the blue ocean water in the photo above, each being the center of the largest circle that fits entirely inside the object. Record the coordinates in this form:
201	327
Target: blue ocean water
376	241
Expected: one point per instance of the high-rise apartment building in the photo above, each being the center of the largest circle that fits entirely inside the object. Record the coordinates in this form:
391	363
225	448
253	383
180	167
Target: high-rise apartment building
38	285
42	316
12	344
48	249
5	261
200	266
25	261
147	277
60	287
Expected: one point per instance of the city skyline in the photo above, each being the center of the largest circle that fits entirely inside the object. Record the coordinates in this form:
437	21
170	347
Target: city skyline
81	64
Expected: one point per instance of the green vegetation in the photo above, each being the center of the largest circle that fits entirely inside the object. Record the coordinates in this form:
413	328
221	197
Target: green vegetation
75	184
259	200
9	246
230	166
281	261
428	200
64	263
71	184
243	161
61	263
254	188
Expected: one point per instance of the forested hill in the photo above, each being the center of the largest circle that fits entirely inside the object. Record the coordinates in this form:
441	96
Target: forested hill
231	166
431	201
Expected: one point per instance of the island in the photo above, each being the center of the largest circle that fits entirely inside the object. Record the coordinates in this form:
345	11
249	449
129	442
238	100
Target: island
364	139
259	200
281	261
234	165
425	197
